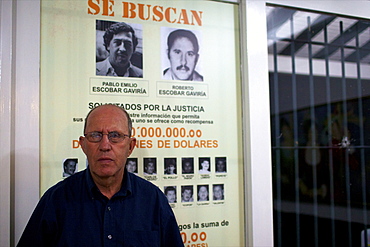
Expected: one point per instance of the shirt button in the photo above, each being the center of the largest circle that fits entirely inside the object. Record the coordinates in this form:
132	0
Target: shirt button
108	208
110	236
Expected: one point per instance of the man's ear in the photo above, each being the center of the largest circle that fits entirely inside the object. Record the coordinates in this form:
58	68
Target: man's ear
132	145
168	53
82	141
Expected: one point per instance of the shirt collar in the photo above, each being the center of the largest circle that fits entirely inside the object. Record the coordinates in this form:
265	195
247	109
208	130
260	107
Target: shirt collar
112	72
126	188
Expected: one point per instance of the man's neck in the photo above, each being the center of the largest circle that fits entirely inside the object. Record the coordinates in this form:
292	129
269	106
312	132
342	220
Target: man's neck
108	186
121	70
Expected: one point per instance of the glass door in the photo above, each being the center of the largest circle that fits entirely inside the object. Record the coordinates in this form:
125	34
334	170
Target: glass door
319	77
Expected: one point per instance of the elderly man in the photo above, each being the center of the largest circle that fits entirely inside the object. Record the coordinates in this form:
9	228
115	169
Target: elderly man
120	41
103	205
182	51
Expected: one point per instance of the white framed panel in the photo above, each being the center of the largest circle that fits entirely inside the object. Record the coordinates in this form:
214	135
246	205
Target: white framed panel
63	63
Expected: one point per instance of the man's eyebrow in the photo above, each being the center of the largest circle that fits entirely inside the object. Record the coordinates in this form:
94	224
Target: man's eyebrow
123	40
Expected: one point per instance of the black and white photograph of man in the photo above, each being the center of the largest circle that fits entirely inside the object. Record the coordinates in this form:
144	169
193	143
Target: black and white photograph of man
180	51
170	166
218	192
204	165
203	194
170	192
131	165
187	165
187	193
69	167
220	164
117	49
150	166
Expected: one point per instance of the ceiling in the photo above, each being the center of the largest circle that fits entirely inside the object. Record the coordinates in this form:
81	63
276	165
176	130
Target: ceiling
290	32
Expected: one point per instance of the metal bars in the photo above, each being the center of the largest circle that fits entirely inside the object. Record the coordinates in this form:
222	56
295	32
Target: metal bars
319	125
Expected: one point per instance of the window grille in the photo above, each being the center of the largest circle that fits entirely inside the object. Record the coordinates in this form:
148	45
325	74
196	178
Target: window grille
319	68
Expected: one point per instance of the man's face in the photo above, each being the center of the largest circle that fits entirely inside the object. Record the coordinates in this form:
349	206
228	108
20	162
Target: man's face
183	58
220	166
150	168
187	167
131	166
205	165
203	193
186	195
217	192
107	159
120	49
70	167
171	196
171	169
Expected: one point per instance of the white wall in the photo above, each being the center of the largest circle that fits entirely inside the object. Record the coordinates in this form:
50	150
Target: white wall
5	121
26	112
19	114
256	118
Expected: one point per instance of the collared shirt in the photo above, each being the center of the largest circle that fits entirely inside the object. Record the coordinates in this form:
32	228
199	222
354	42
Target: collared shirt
105	68
75	213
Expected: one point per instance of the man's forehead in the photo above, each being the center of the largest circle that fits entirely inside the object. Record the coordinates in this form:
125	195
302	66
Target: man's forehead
184	43
107	110
122	35
106	114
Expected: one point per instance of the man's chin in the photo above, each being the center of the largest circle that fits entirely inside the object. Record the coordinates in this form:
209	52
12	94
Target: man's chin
183	76
105	171
122	61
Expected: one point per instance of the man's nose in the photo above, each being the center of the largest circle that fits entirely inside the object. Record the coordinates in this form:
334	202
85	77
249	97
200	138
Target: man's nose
183	60
122	47
105	144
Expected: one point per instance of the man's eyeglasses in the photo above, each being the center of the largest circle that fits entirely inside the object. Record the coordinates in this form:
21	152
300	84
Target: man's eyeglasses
113	136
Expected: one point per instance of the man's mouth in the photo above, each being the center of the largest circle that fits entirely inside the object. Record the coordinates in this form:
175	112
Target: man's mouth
121	56
105	159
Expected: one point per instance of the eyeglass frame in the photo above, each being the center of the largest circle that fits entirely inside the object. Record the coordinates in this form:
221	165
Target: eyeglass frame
123	136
